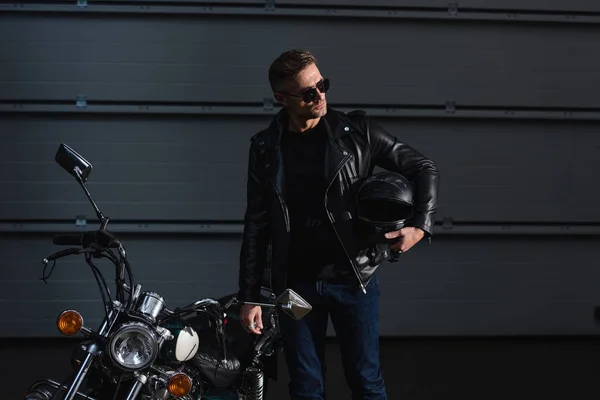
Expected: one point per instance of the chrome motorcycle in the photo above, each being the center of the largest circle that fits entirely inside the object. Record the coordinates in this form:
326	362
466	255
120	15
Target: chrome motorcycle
143	350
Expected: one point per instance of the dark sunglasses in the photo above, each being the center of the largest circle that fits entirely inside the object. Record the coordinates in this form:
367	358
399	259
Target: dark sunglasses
309	95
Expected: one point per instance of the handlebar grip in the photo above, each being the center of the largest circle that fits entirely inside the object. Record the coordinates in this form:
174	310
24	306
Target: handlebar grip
62	253
75	239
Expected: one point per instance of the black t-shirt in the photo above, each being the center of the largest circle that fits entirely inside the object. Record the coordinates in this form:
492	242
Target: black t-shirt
313	241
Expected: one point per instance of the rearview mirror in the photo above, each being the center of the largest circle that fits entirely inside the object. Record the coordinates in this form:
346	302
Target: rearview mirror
80	168
73	163
288	301
293	304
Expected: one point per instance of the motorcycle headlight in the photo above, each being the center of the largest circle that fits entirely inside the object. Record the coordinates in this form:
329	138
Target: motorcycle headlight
133	346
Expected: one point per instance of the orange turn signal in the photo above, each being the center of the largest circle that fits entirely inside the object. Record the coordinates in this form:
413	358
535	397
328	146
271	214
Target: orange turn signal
69	322
179	385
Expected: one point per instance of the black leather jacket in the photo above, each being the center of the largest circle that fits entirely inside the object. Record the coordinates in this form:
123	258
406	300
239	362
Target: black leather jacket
355	146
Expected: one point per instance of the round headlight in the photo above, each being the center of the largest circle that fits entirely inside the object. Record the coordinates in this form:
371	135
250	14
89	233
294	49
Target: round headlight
133	346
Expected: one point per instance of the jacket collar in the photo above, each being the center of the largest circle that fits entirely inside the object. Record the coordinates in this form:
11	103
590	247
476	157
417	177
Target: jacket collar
334	122
335	153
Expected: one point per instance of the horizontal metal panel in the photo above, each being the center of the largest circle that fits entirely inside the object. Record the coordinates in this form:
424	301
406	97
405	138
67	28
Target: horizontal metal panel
430	10
228	228
223	60
455	286
520	5
269	109
544	5
194	169
189	2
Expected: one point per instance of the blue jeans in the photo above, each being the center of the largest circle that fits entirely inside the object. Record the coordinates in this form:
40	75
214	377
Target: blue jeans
355	318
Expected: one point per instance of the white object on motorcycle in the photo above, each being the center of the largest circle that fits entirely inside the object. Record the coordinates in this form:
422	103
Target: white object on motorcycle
186	346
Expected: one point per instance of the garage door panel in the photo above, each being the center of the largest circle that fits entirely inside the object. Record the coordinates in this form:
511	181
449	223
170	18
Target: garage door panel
455	286
194	168
181	269
492	285
166	252
192	2
168	59
43	309
491	291
78	291
108	173
533	5
145	210
38	327
189	74
182	153
124	192
444	318
509	170
100	130
530	5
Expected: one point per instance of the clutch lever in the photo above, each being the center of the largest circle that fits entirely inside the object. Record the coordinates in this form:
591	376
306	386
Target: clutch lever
61	254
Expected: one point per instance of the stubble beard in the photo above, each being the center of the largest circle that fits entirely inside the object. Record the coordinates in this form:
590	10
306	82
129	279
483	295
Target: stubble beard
319	113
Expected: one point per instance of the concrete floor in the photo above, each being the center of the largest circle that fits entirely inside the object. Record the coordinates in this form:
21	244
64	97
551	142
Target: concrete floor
415	368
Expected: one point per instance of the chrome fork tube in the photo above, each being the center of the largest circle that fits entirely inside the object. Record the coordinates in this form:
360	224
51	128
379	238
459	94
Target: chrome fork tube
137	387
107	323
83	370
87	363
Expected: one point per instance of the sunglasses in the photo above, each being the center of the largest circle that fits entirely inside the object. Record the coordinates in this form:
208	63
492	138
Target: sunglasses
309	95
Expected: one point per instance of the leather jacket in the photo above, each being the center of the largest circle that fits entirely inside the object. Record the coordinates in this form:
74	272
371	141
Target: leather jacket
354	147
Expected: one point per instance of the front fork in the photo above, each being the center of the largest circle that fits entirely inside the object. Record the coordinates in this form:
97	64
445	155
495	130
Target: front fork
91	350
140	381
39	388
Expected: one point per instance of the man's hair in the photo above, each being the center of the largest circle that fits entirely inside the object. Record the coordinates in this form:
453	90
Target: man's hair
287	66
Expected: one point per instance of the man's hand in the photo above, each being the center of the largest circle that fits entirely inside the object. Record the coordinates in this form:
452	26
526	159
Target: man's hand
409	236
251	318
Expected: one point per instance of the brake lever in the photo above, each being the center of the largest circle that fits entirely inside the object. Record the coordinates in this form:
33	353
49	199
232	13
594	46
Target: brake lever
61	254
231	302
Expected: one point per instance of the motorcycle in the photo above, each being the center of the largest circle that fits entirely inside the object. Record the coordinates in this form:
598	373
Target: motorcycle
142	349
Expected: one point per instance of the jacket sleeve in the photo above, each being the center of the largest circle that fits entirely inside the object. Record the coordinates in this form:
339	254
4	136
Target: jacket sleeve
255	235
389	153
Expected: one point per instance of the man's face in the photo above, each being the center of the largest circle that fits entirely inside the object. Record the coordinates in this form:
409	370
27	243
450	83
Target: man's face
292	100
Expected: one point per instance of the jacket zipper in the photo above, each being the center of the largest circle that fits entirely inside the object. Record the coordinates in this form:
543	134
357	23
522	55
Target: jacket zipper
283	209
270	259
354	267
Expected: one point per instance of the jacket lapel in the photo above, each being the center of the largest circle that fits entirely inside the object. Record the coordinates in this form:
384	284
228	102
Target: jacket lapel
335	153
275	164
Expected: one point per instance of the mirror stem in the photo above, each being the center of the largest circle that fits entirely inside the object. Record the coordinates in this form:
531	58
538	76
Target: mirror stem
101	217
258	304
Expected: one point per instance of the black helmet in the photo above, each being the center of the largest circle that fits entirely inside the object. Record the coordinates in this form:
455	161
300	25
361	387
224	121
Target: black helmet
384	203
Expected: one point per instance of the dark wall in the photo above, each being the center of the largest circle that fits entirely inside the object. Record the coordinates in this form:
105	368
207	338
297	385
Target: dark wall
163	97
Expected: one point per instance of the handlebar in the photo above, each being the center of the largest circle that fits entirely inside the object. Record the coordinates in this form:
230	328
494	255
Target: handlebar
209	305
84	239
96	244
101	237
62	253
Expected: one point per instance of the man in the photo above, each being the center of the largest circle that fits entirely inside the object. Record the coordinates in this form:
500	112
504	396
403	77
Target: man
300	218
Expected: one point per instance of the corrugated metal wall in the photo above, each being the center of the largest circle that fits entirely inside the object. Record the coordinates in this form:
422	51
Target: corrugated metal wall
163	97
